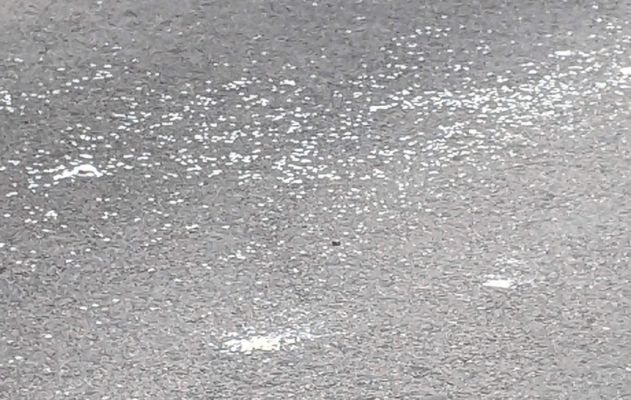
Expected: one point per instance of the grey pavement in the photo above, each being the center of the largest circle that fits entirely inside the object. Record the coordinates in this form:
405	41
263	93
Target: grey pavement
315	199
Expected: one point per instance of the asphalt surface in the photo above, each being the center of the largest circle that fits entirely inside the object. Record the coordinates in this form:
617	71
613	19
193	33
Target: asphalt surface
315	200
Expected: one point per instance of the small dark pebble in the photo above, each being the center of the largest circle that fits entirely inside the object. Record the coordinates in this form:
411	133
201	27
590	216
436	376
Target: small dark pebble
336	243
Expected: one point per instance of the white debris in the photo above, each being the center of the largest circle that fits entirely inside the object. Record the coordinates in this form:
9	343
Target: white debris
563	53
51	214
83	170
255	343
288	82
499	283
383	107
270	342
626	70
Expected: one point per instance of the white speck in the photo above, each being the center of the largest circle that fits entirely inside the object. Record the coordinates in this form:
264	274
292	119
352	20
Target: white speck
255	343
499	283
51	214
192	227
84	170
250	98
626	70
48	336
86	156
563	53
11	194
383	107
270	342
288	82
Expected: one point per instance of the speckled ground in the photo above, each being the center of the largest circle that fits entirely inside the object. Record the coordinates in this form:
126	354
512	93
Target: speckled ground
315	200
